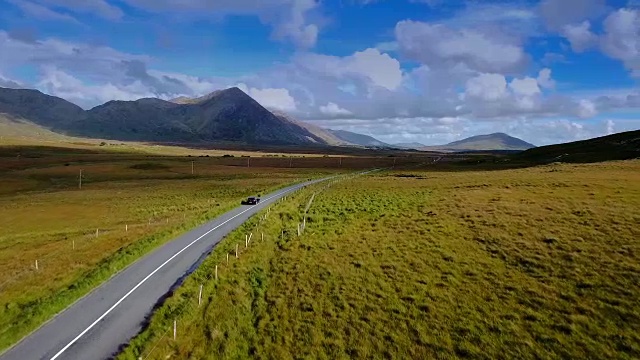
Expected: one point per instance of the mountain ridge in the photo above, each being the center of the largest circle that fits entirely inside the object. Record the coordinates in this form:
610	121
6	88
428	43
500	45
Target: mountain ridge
223	115
485	142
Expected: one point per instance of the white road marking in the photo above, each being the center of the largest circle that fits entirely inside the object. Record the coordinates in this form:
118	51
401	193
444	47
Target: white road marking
153	272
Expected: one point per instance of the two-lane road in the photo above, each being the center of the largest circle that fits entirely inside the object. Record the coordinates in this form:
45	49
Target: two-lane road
95	326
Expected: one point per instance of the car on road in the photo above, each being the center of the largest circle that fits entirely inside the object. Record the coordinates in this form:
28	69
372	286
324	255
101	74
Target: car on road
251	201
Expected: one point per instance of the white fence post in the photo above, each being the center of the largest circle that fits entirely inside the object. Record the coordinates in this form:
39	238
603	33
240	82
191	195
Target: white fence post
36	264
73	244
126	228
200	295
246	240
227	258
217	271
250	235
175	328
236	251
97	232
262	239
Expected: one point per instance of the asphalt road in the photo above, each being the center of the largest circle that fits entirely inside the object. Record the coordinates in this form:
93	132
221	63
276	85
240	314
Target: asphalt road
98	324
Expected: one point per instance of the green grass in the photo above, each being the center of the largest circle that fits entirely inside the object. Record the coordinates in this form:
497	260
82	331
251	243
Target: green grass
534	263
136	202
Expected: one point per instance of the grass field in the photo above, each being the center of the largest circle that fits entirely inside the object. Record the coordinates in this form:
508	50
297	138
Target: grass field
536	263
129	203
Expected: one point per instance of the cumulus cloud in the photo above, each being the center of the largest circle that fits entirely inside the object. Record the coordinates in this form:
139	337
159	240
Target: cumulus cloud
38	11
580	36
279	99
621	38
489	87
290	19
438	45
558	13
333	110
544	79
97	7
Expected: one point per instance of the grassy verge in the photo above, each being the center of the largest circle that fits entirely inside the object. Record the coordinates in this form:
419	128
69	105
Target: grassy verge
134	203
532	263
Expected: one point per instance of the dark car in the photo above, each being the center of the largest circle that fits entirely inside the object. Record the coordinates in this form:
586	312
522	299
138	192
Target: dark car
251	201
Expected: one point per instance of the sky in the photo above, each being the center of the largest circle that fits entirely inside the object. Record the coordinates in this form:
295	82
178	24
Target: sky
428	71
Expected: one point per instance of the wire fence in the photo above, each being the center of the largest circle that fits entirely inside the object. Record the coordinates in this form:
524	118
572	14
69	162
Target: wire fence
208	284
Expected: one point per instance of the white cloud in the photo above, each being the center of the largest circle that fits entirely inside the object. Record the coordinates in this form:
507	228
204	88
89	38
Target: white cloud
586	109
580	36
621	39
611	127
332	109
558	13
437	45
544	79
377	68
290	19
97	7
41	12
524	87
488	87
279	99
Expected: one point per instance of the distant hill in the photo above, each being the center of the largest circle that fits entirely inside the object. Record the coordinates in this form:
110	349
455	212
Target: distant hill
620	146
490	142
226	115
324	134
358	139
410	145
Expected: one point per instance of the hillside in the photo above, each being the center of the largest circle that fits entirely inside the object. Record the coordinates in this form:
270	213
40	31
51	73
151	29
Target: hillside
358	139
410	145
621	146
495	141
324	134
223	116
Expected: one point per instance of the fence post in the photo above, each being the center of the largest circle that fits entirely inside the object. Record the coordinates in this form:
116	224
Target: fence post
227	258
126	228
175	328
97	232
262	239
236	251
36	264
73	244
246	240
298	229
250	235
200	295
217	271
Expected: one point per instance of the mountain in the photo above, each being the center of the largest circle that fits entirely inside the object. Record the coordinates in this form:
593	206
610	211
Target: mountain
357	139
223	116
620	146
324	134
47	111
495	141
409	145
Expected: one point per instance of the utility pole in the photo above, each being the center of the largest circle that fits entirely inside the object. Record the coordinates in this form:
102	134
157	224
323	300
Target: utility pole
80	180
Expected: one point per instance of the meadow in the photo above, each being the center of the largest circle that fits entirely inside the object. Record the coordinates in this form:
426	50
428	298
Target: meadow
535	263
128	204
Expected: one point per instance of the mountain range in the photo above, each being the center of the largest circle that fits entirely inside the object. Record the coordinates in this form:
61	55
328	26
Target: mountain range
495	141
223	116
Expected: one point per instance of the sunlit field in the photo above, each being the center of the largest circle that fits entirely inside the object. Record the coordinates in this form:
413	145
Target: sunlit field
534	263
81	233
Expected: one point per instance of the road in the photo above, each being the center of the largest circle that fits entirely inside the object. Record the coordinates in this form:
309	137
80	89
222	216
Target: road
98	324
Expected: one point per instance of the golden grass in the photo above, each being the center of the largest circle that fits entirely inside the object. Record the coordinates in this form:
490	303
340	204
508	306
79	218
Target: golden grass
135	202
535	263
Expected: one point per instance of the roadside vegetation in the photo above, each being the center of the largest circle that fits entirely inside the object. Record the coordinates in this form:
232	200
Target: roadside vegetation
534	263
129	203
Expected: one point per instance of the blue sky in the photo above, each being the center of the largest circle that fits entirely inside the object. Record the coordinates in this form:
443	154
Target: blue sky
430	71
